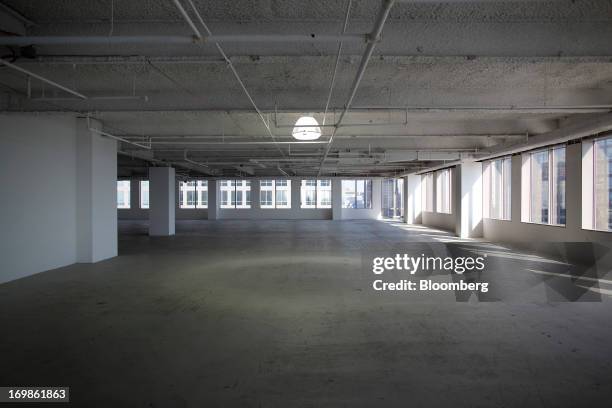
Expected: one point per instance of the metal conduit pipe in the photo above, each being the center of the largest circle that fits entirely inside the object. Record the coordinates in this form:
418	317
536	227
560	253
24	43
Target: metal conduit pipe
177	39
374	38
233	143
121	139
335	71
229	63
43	79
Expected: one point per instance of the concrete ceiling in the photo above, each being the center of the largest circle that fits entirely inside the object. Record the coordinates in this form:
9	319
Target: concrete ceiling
447	78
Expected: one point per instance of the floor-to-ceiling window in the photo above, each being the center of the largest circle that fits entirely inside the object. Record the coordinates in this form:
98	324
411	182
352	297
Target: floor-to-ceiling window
393	198
497	187
546	186
427	191
603	184
357	194
444	191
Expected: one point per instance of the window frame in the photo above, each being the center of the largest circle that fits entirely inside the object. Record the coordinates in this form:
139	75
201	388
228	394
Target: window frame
427	191
141	195
273	187
233	187
505	189
444	196
527	187
127	206
589	185
367	193
197	187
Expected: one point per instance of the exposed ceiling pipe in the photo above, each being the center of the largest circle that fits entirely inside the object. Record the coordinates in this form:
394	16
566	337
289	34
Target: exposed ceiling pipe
9	10
473	1
43	79
141	156
226	58
335	71
396	136
93	98
574	131
177	39
283	172
235	143
374	38
188	160
121	139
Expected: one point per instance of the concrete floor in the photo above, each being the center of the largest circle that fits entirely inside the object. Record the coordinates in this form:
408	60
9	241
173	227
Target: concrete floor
282	314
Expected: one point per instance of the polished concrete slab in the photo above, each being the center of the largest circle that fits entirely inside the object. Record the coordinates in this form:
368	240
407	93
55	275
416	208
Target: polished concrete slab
283	314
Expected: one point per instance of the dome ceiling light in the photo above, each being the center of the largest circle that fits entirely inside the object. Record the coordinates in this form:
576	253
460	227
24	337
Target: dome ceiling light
306	128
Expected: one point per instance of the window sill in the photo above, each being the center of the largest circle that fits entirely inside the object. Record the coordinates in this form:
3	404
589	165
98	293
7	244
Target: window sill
499	219
594	230
544	225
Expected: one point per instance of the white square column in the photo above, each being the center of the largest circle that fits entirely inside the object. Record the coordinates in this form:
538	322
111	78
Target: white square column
336	199
255	187
296	198
162	201
469	200
96	178
412	192
213	199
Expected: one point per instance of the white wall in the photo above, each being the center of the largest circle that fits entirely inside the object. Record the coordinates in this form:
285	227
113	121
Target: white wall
41	224
38	205
96	194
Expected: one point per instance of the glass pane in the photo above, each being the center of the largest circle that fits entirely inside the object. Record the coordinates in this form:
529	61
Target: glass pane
368	194
603	184
308	194
123	194
227	198
187	194
559	186
540	185
202	194
144	194
191	198
506	189
348	193
324	194
243	194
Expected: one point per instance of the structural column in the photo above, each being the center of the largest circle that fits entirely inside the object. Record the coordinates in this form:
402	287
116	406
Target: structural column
213	199
296	199
468	199
96	194
162	201
412	192
336	199
255	187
